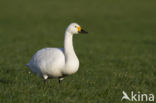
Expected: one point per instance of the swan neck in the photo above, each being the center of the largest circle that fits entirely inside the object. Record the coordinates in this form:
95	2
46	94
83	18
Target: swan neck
71	60
68	44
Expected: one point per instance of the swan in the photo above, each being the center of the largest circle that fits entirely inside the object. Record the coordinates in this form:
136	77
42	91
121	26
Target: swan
57	62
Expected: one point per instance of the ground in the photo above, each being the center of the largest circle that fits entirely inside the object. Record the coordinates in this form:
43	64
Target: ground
119	53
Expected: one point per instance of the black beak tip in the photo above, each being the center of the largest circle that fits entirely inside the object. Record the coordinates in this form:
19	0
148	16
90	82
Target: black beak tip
83	31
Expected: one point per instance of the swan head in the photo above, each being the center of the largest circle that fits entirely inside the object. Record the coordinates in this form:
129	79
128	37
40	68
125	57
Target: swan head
75	28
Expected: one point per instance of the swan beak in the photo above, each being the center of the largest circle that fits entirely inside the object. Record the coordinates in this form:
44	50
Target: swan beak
81	30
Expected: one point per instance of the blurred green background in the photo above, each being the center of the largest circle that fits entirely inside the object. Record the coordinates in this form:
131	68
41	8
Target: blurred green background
119	53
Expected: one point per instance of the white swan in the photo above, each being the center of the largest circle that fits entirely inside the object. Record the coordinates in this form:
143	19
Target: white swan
57	62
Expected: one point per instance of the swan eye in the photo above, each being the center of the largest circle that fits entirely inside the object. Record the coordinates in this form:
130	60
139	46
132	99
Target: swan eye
75	26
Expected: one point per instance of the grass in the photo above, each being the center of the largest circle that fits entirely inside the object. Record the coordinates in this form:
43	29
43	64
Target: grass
119	53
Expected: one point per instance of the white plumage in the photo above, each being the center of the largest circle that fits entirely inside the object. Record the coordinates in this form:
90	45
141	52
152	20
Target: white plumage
57	62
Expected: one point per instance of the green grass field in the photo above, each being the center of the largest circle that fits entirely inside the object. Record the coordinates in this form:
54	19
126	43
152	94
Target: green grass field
119	53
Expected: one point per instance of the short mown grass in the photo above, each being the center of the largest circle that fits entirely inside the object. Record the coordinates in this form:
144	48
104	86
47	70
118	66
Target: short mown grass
119	53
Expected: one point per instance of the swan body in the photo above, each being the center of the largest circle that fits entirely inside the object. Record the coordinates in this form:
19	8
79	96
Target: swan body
57	62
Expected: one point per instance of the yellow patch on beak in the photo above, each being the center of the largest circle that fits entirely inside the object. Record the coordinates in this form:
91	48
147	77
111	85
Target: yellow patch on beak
79	28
